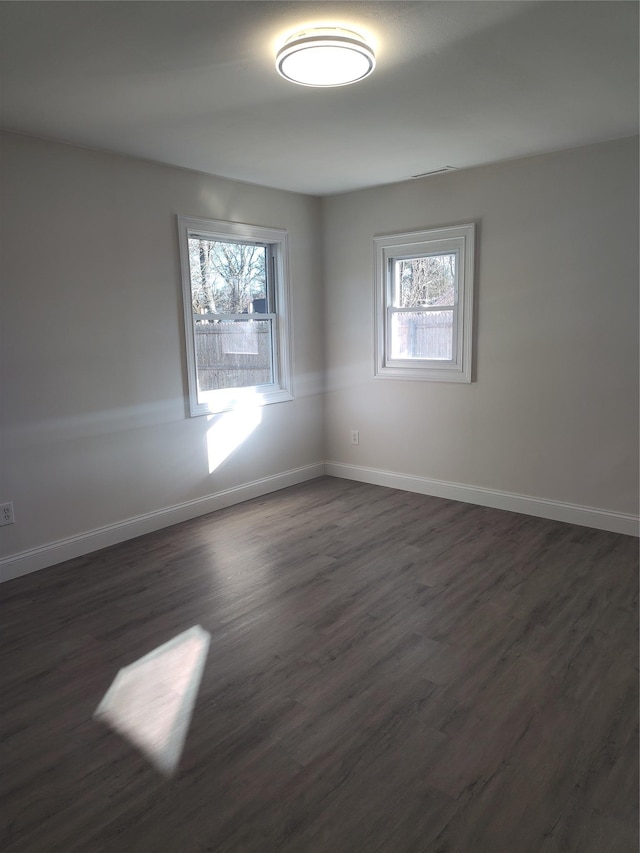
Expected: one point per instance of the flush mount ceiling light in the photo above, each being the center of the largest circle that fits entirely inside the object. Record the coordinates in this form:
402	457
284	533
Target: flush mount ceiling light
325	56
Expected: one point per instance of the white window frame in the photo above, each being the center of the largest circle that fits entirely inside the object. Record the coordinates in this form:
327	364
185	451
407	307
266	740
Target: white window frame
458	239
280	390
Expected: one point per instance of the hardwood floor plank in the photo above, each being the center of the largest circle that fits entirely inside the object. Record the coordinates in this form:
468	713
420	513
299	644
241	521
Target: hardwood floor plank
387	673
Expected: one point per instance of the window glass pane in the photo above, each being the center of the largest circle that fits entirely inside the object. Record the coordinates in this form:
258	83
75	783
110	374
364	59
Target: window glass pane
427	334
227	277
233	353
429	280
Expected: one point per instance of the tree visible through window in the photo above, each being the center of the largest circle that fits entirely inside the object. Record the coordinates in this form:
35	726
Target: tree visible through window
424	304
232	319
428	285
226	277
234	289
427	281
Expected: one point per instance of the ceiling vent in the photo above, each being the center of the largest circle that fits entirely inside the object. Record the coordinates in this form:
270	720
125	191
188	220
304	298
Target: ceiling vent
436	172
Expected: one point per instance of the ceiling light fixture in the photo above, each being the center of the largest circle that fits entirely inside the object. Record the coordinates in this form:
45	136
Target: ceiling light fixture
325	56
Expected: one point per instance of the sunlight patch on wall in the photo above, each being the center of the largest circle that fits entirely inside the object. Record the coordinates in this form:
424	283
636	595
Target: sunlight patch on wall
229	430
150	702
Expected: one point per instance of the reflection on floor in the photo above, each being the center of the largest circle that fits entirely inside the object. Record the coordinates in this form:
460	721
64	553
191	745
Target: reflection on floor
151	701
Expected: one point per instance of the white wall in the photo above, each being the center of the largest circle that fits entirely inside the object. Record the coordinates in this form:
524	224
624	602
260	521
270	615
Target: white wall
94	425
554	411
94	429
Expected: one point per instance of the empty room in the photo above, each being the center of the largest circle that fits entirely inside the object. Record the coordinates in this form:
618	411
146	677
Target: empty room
319	450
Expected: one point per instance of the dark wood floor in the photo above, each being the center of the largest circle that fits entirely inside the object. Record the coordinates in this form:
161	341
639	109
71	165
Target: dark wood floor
387	672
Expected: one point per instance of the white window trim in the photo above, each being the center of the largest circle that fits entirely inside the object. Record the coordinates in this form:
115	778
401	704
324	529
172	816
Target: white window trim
226	399
456	238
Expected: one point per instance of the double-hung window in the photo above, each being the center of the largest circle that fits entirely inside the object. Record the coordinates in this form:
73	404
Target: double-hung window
424	304
235	295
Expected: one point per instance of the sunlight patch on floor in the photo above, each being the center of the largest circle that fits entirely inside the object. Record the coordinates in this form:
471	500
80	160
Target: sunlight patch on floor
150	702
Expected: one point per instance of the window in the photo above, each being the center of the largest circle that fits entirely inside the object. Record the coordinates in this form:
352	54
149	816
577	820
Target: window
424	304
235	293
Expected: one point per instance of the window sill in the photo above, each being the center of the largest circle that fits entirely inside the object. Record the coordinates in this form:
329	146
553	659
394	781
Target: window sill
235	399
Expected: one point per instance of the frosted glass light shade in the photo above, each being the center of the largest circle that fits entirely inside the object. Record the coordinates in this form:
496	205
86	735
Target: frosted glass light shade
329	56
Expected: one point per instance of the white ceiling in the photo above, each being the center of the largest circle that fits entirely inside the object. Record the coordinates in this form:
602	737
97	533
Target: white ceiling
193	84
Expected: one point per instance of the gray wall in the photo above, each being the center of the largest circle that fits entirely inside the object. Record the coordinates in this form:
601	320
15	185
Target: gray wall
554	411
94	425
93	368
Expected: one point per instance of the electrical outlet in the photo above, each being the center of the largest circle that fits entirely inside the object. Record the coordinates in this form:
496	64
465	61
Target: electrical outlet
355	436
6	513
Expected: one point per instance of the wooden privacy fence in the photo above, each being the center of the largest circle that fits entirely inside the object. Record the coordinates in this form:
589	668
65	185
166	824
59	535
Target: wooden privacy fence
423	335
233	355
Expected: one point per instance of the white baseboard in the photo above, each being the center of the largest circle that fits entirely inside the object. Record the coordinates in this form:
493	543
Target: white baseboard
601	519
77	546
